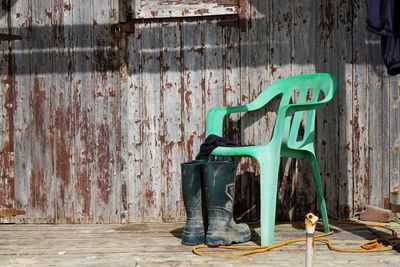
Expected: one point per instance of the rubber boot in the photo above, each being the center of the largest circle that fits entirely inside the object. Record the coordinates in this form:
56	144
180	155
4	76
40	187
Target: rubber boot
219	185
193	199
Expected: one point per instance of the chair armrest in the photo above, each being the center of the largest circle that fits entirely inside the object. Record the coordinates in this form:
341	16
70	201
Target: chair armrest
215	118
293	108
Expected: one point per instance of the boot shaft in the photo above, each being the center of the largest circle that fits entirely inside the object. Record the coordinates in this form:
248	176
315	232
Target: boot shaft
219	184
191	185
194	201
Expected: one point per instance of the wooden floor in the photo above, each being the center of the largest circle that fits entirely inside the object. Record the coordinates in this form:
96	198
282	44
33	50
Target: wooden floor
159	245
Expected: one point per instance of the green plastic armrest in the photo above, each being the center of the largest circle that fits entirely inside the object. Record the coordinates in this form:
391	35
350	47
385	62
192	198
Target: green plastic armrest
293	108
215	118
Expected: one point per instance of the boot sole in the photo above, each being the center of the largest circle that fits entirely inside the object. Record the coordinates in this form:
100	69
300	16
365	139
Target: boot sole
223	241
192	240
193	237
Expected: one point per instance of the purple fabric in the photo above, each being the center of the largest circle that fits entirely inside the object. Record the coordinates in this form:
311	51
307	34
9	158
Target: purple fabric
382	20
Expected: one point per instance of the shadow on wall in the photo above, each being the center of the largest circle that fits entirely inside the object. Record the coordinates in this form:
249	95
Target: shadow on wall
97	48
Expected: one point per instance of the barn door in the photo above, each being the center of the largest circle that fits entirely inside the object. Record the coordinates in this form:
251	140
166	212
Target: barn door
175	50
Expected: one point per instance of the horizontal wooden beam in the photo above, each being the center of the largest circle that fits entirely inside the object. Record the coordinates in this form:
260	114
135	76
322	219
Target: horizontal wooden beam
11	212
9	37
228	20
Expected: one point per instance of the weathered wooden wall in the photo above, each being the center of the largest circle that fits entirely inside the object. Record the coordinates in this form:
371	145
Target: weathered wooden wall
178	70
60	104
93	129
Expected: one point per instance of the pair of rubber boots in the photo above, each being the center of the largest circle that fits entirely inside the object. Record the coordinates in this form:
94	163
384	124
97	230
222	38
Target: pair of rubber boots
208	189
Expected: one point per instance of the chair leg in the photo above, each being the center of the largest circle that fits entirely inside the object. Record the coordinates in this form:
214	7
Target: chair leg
319	191
269	170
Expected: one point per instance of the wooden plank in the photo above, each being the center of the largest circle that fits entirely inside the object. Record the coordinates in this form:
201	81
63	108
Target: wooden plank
384	179
247	184
37	189
378	118
194	114
280	66
172	131
360	109
61	123
327	127
344	96
103	245
150	192
43	190
303	35
232	97
394	139
213	65
84	116
231	84
7	106
108	187
260	60
194	91
22	114
281	37
166	8
132	129
255	126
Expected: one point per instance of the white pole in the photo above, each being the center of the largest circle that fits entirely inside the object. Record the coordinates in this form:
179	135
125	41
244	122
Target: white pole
310	222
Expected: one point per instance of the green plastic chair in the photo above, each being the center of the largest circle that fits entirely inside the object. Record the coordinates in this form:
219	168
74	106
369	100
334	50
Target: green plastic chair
286	140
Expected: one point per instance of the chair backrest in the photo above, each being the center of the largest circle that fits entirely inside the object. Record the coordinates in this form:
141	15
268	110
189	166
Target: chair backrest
305	93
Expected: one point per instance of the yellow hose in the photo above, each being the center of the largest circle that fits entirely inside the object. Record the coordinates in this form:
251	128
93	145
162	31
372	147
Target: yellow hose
368	246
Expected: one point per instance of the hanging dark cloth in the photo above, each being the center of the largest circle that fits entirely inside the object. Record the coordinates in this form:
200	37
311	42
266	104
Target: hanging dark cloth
213	141
383	18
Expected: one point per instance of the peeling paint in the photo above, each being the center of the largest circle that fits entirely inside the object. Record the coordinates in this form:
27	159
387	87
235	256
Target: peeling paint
38	196
76	124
